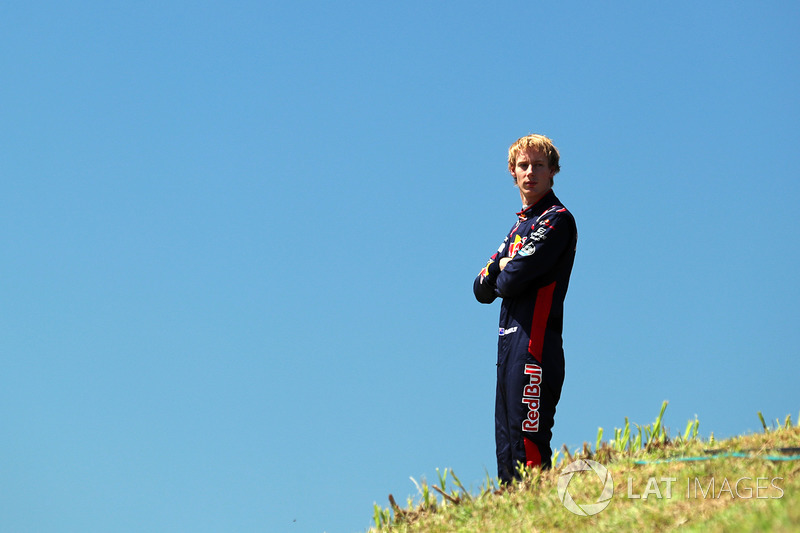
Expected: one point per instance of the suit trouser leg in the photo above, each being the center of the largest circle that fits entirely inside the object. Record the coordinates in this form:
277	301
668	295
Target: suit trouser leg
531	392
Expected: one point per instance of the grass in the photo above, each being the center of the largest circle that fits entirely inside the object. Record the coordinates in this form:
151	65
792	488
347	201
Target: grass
660	484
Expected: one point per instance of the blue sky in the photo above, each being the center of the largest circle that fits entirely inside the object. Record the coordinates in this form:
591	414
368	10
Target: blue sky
239	241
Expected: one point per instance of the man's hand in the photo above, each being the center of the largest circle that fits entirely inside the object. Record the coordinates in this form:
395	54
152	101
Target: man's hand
503	262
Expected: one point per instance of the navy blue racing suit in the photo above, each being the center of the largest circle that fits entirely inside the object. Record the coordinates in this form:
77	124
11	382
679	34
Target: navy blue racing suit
530	355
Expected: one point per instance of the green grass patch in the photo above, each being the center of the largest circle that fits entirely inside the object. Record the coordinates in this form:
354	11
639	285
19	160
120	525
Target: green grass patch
746	483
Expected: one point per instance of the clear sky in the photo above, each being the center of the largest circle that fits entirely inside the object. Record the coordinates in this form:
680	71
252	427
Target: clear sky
239	240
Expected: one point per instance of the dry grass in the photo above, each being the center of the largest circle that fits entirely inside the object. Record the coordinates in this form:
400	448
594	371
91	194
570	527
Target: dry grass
739	489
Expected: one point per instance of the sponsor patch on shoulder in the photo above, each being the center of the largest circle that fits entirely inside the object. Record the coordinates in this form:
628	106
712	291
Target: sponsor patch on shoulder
539	235
507	331
528	249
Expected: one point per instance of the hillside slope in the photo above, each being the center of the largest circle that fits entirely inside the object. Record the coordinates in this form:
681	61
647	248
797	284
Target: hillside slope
747	483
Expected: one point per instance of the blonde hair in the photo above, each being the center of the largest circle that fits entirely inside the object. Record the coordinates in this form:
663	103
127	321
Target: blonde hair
534	142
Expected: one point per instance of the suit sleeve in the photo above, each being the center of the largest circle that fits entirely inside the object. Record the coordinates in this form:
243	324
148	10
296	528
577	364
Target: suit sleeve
546	243
485	287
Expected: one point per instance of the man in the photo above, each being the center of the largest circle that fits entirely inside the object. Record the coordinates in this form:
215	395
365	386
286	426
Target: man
530	272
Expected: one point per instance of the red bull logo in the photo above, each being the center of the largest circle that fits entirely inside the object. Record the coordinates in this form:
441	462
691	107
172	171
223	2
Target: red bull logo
516	245
530	397
485	271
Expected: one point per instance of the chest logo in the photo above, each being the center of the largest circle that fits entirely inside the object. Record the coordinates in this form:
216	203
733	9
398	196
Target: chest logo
515	246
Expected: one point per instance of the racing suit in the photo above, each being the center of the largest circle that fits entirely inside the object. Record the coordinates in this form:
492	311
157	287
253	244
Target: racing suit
530	356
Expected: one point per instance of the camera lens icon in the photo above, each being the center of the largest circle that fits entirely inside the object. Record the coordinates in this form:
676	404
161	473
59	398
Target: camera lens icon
585	509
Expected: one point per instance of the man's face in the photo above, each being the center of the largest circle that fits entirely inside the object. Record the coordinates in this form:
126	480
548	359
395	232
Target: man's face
533	176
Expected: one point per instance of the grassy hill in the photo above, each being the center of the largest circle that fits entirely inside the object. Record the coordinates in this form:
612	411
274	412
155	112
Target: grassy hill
746	483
